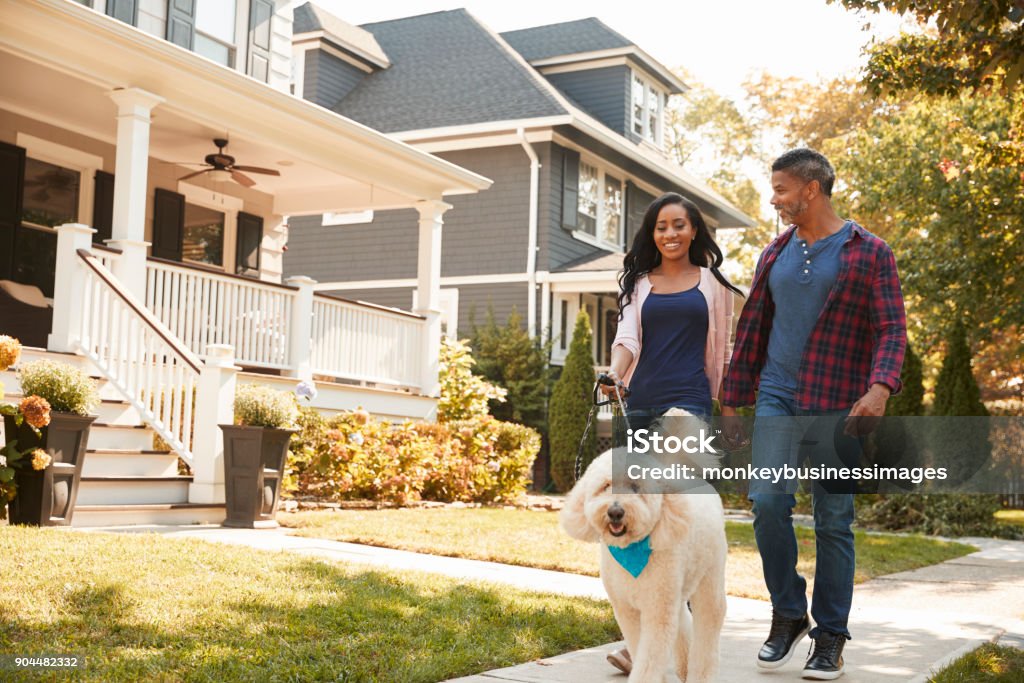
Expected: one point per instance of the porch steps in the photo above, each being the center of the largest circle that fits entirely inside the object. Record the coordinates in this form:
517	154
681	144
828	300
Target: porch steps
166	513
125	481
128	490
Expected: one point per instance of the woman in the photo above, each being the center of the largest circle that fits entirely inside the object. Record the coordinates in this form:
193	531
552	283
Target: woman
675	314
675	321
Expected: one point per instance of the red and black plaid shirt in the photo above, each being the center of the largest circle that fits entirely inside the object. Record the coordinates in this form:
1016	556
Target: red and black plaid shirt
859	339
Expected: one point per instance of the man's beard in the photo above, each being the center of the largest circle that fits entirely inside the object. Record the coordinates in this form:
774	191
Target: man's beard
790	211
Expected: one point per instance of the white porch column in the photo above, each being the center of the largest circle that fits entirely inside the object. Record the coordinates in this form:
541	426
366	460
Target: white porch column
68	286
300	329
428	289
131	176
215	405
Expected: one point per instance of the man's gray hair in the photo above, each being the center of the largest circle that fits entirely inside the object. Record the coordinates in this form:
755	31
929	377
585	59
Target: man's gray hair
807	165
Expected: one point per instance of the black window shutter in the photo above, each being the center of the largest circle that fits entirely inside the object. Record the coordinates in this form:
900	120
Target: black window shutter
181	22
124	10
260	14
570	188
12	178
103	207
168	224
247	246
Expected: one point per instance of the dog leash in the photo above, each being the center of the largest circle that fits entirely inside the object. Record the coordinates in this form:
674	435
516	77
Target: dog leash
621	392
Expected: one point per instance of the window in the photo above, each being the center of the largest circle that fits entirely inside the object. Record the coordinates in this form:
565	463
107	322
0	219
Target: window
215	30
203	241
51	194
588	198
648	107
611	222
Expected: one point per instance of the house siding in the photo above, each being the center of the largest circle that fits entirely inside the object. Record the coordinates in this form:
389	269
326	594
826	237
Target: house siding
602	93
327	79
483	234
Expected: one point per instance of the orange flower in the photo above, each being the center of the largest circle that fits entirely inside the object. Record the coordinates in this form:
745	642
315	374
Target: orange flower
40	459
36	411
10	350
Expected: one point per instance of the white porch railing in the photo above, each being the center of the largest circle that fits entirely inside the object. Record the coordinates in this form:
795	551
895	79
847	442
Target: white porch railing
138	355
366	342
202	308
106	255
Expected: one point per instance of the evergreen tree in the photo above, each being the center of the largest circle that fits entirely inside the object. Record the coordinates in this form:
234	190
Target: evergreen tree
910	401
571	400
956	391
508	357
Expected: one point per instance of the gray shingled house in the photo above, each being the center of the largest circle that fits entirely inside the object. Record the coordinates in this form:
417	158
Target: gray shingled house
567	119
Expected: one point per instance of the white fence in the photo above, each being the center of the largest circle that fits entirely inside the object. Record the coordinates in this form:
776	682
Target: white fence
202	308
366	342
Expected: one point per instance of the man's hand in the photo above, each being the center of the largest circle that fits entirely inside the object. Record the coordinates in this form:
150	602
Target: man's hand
732	429
867	412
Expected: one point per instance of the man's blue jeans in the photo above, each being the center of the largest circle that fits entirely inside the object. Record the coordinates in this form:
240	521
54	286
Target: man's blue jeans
777	442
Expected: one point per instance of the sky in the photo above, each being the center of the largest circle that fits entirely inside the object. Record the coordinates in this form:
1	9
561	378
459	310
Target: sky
720	43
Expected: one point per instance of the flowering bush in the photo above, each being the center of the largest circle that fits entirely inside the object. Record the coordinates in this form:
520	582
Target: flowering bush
257	405
67	388
352	456
33	410
463	395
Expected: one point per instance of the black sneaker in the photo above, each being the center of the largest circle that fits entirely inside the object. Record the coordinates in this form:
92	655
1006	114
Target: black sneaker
782	639
826	661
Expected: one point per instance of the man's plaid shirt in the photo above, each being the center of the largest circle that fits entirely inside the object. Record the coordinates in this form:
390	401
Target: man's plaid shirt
859	339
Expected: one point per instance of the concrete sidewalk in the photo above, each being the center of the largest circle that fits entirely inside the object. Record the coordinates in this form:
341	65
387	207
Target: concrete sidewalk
904	625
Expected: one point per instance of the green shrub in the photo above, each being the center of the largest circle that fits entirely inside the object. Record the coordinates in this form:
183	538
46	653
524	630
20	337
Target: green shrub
257	405
352	457
67	388
463	395
910	401
571	401
507	357
946	514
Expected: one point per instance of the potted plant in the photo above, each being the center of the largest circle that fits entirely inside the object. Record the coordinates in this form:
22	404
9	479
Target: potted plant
46	435
255	451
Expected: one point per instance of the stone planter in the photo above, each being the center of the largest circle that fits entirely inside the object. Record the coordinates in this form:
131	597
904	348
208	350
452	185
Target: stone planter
254	462
47	497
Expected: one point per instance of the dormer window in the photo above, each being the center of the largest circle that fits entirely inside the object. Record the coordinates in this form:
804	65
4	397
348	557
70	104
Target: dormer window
648	107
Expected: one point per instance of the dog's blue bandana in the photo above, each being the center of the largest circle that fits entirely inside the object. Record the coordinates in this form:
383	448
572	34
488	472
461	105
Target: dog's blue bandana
634	557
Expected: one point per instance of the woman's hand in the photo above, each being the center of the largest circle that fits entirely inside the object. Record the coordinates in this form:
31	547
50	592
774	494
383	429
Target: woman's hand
609	389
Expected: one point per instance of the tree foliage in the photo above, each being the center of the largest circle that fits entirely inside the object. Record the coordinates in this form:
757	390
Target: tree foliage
464	396
571	401
956	391
974	44
910	401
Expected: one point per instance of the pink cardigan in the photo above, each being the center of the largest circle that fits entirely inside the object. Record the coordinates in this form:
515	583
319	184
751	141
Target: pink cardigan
720	313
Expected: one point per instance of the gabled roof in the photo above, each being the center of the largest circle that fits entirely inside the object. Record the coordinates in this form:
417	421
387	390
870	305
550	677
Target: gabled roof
447	69
309	19
584	40
567	38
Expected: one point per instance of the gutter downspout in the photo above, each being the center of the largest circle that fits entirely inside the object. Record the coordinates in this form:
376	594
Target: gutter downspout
531	246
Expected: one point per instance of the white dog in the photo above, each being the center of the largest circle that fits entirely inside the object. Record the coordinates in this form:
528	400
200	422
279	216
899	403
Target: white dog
686	562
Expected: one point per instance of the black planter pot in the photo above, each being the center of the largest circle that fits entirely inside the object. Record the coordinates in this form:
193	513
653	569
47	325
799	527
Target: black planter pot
47	497
254	462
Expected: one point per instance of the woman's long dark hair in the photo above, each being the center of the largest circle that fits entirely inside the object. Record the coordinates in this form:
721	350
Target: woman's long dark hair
643	256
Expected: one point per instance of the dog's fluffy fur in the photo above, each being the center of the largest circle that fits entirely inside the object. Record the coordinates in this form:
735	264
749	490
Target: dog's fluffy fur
687	563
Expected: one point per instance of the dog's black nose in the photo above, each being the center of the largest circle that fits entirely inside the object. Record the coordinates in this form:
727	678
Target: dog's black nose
616	513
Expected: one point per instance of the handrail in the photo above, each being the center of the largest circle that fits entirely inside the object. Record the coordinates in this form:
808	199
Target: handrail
151	368
367	304
209	270
151	320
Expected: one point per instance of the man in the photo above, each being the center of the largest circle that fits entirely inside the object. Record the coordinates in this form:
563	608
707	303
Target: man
822	335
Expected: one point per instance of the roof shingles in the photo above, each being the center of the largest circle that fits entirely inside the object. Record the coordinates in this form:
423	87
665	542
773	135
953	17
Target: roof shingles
473	79
567	38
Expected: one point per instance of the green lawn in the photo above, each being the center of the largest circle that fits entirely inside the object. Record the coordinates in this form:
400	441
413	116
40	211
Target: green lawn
534	539
142	607
989	664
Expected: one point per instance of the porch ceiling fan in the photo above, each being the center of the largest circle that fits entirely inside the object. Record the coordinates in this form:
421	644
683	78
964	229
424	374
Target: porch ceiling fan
223	165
